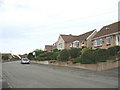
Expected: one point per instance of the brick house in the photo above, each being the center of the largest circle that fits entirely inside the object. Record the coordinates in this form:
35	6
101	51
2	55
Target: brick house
48	47
75	41
108	36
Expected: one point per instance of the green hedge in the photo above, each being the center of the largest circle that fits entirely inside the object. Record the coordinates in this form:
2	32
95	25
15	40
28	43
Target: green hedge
113	50
99	55
64	55
88	57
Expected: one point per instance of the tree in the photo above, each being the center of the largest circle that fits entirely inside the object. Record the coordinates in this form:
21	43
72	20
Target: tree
30	56
5	57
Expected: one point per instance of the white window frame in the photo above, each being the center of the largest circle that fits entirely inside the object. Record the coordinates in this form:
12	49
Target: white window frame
118	40
76	44
98	42
60	45
71	44
108	40
95	42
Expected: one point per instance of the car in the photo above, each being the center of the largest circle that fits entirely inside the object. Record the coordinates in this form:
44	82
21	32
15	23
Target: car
25	61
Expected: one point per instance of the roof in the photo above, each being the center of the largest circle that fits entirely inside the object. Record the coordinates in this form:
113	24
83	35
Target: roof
48	47
108	29
85	35
6	53
71	38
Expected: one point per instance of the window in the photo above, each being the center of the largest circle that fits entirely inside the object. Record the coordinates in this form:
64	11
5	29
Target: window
95	43
107	28
108	40
60	45
117	39
71	44
76	44
98	42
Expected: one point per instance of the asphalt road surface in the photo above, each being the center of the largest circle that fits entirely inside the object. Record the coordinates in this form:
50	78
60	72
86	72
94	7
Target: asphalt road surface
48	76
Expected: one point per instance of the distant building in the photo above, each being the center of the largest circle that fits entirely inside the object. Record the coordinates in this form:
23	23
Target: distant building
6	56
48	47
23	56
108	36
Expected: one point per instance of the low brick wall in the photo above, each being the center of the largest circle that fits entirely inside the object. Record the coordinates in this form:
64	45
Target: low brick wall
101	66
107	65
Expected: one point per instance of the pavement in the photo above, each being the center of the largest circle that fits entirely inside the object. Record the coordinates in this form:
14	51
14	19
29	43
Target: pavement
49	76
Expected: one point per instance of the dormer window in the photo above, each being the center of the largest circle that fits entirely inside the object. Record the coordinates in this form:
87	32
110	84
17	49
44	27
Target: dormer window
107	28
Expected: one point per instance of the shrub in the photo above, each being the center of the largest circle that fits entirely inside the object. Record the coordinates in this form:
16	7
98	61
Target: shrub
85	50
30	56
94	56
76	60
88	57
5	57
118	55
74	52
55	55
113	50
101	55
38	52
64	54
55	50
52	61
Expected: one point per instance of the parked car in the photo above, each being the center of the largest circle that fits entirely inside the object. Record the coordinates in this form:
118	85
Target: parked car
25	60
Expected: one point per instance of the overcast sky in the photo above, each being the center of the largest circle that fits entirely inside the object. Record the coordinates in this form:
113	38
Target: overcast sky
26	25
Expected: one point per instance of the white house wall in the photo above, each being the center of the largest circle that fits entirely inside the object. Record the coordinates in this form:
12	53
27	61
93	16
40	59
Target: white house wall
60	41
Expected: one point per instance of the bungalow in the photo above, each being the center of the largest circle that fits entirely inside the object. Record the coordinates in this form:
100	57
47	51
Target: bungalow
107	37
48	47
75	41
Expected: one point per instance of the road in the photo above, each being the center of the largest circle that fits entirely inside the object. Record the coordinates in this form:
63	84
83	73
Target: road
47	76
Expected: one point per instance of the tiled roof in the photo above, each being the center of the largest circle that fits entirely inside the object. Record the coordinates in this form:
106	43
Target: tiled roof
48	47
108	29
71	38
85	35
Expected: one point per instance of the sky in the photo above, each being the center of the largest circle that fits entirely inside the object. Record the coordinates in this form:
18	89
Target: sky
26	25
